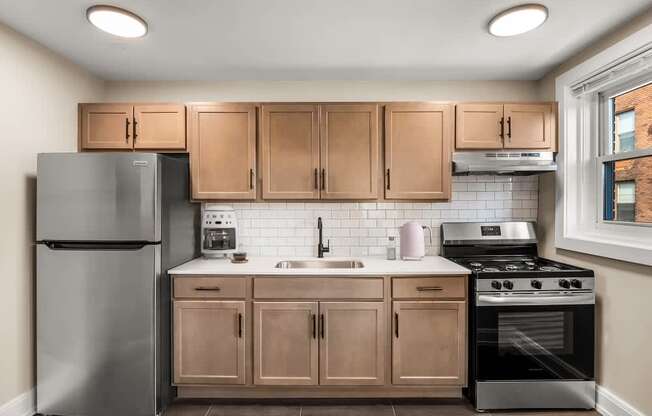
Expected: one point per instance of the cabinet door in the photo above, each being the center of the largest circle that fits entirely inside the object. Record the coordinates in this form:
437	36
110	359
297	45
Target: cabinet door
528	126
285	343
209	346
290	147
429	343
479	126
222	140
106	126
349	151
352	343
418	140
160	127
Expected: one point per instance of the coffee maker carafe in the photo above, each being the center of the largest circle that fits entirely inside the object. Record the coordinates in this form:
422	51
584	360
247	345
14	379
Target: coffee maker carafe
219	230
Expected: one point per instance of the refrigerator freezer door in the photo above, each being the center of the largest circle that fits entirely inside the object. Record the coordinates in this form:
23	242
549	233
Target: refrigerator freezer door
96	330
97	197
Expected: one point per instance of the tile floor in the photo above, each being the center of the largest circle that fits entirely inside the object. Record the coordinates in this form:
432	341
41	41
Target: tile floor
399	408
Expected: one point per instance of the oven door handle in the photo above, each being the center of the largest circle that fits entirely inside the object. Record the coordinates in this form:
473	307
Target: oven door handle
542	300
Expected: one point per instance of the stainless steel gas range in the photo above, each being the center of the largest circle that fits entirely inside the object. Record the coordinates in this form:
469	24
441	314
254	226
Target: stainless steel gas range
531	320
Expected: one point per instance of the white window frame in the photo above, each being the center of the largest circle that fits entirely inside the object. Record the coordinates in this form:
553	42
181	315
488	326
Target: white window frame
579	207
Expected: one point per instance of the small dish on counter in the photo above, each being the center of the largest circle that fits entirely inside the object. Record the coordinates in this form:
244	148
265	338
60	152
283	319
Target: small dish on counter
239	258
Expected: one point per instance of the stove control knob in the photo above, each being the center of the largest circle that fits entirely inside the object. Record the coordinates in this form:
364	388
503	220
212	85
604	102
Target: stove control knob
508	285
576	283
496	285
536	284
564	283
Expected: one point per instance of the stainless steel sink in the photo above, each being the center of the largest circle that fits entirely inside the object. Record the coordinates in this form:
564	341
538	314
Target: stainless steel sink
319	264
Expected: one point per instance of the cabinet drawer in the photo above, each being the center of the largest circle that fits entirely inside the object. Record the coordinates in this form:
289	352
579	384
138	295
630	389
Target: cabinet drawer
318	288
209	287
429	287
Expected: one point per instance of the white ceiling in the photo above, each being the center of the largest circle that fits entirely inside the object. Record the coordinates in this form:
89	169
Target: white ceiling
316	39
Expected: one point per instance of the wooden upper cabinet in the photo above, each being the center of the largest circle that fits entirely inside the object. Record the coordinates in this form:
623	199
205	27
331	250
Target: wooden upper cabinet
285	343
349	151
352	343
479	126
418	145
222	139
209	345
160	127
290	151
106	126
528	126
429	344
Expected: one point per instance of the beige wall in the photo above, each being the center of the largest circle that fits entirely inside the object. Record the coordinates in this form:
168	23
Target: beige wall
320	90
624	289
38	113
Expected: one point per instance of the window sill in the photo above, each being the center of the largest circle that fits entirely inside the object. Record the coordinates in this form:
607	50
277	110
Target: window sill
608	249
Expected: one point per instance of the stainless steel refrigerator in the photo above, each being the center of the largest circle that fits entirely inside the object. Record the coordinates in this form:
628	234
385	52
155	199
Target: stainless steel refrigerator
109	225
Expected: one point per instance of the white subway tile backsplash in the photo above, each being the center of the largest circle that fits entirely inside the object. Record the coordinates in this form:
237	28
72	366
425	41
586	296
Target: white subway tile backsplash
362	228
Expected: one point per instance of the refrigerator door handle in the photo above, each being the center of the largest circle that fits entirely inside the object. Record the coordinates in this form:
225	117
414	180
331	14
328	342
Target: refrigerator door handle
64	245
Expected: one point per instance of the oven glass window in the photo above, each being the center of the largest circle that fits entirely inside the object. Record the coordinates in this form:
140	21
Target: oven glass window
535	342
535	333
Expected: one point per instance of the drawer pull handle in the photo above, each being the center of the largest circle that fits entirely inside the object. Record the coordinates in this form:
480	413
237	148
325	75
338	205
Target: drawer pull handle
239	325
429	288
321	322
208	288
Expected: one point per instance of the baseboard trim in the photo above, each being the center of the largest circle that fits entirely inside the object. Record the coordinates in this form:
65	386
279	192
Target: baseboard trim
22	405
608	404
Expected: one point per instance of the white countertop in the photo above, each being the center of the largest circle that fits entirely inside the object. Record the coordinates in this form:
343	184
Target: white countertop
373	266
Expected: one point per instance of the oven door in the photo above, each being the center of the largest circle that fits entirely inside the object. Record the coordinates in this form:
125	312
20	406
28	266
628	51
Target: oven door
535	337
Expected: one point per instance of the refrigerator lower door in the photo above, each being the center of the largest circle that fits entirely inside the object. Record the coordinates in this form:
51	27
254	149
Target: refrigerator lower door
98	197
96	331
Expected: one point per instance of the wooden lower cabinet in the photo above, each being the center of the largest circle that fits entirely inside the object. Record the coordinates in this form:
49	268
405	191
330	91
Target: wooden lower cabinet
209	342
404	340
429	343
352	343
285	343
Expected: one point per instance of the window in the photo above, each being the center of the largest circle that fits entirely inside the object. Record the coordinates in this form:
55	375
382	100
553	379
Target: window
624	131
604	176
625	158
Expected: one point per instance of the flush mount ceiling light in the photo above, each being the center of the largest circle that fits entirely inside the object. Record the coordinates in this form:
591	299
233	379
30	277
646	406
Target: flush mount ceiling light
517	20
117	21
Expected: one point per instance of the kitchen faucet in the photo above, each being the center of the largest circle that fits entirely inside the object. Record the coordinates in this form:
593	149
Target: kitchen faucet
320	247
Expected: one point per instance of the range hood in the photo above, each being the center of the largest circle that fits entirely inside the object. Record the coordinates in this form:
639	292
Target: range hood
503	163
